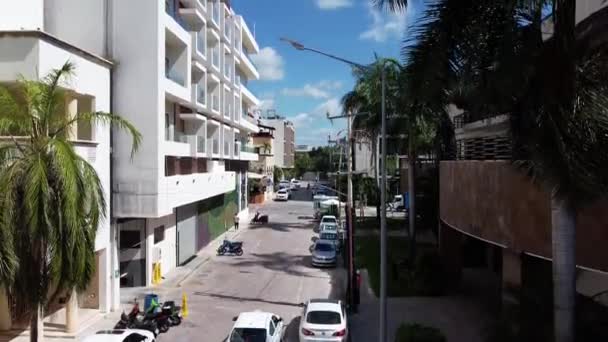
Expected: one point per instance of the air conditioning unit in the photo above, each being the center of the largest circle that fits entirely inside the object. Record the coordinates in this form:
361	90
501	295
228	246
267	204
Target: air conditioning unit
156	254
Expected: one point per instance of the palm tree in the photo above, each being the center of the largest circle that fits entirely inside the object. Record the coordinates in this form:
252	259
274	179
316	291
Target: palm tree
490	56
266	147
51	199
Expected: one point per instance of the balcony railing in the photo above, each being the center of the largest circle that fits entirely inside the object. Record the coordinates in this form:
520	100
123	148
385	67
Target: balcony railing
246	148
215	103
201	95
172	11
226	148
174	76
216	12
467	117
200	144
180	137
201	42
215	56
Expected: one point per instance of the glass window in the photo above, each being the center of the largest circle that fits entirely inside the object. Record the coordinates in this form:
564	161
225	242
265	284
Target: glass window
324	247
248	335
129	239
323	317
159	234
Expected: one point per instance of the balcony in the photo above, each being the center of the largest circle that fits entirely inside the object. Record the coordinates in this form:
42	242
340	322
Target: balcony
174	14
248	39
193	18
214	13
215	57
199	46
249	70
248	97
177	146
215	103
200	5
248	153
198	145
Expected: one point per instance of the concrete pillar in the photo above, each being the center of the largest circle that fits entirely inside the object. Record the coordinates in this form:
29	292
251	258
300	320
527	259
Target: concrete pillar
450	248
5	312
40	324
71	313
71	110
511	276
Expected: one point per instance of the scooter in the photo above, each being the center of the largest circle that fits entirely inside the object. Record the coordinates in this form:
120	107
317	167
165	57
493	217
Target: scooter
259	218
133	320
161	317
231	247
173	311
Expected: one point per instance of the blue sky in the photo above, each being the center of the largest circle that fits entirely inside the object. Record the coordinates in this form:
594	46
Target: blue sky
303	86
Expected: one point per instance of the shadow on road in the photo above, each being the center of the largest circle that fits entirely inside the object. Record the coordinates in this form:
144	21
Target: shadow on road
280	227
246	299
291	330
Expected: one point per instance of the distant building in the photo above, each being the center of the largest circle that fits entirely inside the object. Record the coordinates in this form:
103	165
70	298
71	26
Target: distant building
284	139
303	148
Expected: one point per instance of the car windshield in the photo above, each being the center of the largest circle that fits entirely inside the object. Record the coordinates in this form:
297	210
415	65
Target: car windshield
248	335
282	191
324	247
323	317
329	220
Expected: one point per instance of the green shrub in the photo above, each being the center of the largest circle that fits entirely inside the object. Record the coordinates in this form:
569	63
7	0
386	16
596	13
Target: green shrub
418	333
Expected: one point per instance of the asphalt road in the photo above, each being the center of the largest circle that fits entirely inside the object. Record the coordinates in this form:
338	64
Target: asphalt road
274	274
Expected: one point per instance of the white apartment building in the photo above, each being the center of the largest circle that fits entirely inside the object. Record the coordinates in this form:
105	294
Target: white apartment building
34	39
184	86
178	70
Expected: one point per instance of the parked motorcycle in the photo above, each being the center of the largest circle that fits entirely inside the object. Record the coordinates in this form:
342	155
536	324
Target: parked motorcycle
134	320
257	218
230	247
173	311
161	317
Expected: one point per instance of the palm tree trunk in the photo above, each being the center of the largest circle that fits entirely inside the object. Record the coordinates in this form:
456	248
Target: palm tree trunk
36	326
563	217
411	182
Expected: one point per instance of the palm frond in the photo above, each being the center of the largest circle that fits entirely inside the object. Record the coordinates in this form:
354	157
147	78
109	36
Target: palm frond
93	118
393	5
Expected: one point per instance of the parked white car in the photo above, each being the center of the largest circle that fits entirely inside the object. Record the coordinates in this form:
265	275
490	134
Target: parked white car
121	335
257	326
282	195
328	219
323	320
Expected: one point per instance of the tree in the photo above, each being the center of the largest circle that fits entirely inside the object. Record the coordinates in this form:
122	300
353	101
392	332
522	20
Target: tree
490	56
51	199
302	164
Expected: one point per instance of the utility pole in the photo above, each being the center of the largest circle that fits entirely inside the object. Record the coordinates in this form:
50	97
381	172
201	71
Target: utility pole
383	236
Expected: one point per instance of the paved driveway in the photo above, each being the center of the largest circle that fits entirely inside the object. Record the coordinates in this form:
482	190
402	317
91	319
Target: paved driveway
274	274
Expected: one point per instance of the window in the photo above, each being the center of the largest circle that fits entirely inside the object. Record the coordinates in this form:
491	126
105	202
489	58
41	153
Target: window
159	234
271	328
323	317
129	239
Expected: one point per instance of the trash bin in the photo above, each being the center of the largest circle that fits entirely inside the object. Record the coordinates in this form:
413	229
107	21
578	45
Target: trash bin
148	301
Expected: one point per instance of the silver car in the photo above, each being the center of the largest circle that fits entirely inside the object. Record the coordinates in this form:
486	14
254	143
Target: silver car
324	253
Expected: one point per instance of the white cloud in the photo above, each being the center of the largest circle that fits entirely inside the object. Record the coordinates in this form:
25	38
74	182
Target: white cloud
270	64
333	4
320	90
331	106
384	25
266	104
307	129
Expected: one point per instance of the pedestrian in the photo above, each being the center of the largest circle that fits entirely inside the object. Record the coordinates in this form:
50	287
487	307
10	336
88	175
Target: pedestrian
236	221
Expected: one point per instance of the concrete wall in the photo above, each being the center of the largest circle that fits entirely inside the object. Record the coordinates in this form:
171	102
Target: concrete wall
167	246
137	97
493	201
82	23
36	57
22	15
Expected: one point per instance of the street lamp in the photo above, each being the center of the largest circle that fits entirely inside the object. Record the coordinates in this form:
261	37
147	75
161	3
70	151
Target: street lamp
383	244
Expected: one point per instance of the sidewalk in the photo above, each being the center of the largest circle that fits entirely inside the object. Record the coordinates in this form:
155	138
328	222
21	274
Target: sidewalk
458	318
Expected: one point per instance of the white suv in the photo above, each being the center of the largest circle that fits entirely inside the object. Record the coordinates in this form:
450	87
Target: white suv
323	320
257	326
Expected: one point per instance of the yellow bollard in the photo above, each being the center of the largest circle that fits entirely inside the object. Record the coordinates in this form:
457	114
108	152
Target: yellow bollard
184	305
